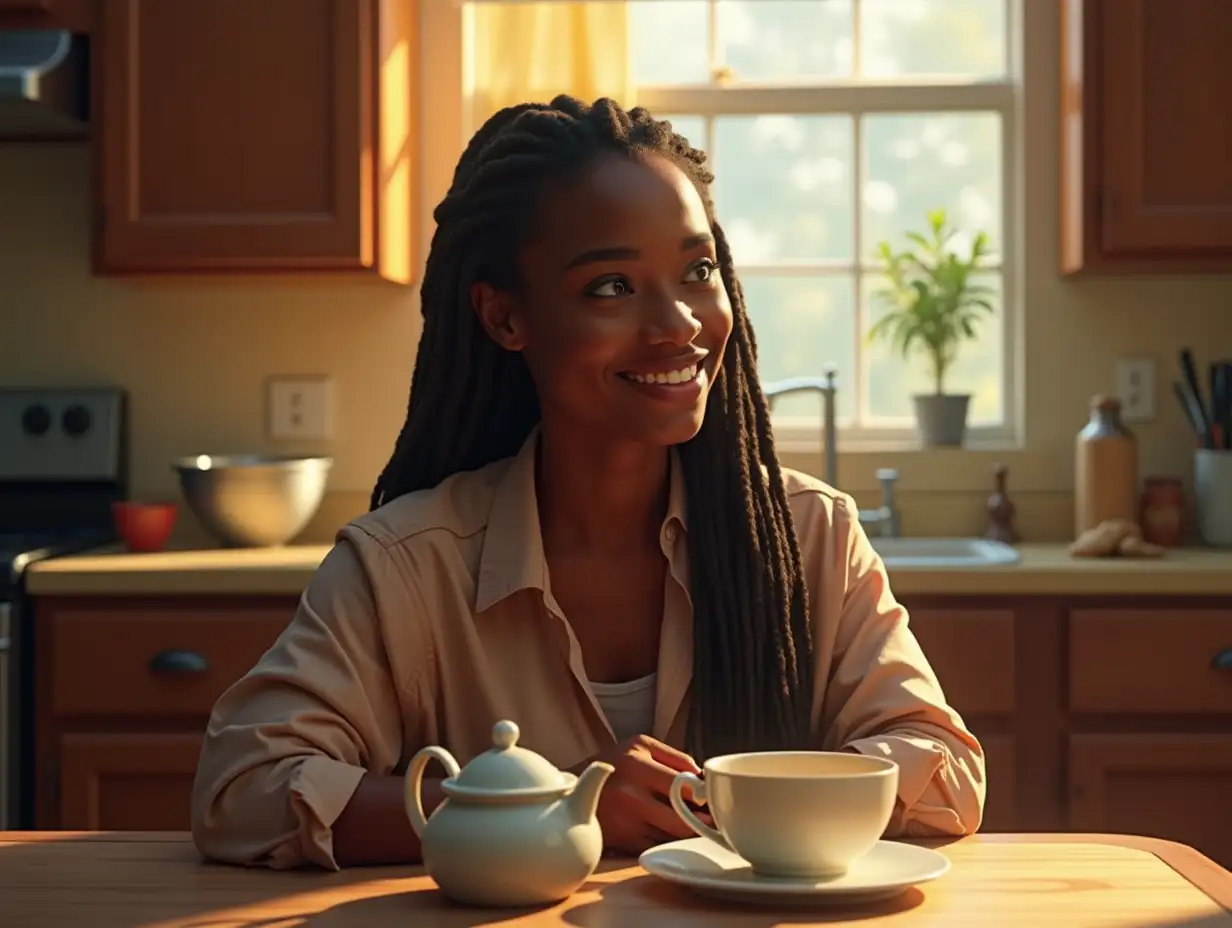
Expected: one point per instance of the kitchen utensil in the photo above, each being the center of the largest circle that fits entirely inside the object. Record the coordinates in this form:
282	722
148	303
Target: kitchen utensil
513	830
1189	380
253	500
886	871
793	813
1221	403
144	527
1192	415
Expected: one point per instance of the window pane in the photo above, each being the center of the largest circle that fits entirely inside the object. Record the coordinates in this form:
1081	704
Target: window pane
785	40
669	42
921	162
692	128
977	370
783	187
801	325
900	38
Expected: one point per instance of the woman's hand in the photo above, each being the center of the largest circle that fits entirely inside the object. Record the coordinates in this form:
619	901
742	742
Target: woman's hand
634	810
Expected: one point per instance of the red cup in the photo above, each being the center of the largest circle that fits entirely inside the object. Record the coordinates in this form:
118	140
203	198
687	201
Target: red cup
144	527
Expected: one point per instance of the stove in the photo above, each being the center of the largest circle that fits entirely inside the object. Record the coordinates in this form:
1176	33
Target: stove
63	462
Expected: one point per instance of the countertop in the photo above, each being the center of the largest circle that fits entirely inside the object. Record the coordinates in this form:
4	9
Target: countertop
119	880
1044	570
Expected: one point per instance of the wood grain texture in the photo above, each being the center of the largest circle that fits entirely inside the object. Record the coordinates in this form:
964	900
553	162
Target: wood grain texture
156	880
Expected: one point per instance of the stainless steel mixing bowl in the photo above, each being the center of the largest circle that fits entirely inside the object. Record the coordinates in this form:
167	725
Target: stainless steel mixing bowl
253	500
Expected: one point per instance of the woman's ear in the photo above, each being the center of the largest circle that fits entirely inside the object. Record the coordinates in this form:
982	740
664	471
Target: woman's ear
499	315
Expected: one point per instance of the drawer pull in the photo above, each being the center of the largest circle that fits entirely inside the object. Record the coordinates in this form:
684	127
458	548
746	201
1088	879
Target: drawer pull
1222	660
179	662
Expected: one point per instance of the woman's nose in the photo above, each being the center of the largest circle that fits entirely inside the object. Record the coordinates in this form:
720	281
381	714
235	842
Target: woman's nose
671	321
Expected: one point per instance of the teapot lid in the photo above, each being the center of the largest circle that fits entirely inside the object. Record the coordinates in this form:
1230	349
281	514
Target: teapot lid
508	769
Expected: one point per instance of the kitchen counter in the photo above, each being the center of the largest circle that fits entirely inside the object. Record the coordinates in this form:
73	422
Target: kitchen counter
1044	570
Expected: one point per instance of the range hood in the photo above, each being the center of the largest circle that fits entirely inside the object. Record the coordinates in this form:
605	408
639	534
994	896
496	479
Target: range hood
44	85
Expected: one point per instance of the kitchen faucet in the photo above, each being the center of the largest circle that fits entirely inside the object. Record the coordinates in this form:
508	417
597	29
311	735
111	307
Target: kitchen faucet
884	520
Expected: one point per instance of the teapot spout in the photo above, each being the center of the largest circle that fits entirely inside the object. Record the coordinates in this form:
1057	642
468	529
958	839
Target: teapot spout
583	801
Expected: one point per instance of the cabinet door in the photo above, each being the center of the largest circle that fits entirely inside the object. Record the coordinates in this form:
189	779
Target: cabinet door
1177	787
1167	152
235	136
126	782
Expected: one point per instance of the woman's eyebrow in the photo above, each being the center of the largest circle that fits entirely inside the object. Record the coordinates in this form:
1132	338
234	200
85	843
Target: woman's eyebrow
625	253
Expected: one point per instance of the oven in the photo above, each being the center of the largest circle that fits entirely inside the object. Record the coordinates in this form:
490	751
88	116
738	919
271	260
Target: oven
63	462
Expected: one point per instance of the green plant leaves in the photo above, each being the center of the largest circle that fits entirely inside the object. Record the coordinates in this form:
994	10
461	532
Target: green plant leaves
932	303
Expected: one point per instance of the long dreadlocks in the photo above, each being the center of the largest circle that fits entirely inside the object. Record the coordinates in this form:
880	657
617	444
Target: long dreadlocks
473	402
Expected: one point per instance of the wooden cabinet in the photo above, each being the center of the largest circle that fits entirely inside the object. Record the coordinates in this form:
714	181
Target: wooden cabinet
74	15
244	137
1146	142
124	688
1096	713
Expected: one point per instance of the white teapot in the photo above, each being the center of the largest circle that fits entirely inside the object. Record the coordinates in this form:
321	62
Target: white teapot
513	830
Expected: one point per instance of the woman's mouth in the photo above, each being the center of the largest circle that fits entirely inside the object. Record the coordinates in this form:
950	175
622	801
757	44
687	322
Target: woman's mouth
681	386
683	375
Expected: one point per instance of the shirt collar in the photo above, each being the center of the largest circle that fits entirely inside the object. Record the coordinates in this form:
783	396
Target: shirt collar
512	558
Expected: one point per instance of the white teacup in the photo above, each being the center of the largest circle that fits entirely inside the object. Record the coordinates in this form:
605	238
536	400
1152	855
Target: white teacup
793	813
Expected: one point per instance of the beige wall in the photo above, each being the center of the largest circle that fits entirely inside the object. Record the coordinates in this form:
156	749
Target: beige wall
195	355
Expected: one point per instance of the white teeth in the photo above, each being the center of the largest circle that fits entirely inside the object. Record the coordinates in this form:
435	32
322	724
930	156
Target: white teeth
684	375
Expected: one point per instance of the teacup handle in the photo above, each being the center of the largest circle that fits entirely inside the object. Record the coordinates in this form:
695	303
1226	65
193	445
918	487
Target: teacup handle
698	787
414	783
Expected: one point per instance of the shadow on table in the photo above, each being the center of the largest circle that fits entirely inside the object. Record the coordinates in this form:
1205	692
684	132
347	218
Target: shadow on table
622	904
643	896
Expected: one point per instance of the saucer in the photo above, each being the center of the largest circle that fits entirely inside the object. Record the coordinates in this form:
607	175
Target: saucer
889	869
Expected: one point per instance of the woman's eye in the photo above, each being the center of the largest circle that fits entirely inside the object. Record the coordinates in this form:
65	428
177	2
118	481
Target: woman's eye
702	271
613	286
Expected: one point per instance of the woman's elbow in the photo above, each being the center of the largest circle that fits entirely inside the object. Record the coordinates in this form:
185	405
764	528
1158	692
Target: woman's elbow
242	819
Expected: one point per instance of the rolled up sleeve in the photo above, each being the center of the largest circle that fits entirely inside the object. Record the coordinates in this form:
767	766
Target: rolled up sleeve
883	699
287	745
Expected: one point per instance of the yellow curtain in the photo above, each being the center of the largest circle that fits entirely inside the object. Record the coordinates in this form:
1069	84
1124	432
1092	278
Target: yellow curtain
520	52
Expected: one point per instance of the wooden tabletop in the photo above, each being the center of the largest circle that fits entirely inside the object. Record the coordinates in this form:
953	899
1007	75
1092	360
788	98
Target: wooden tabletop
156	880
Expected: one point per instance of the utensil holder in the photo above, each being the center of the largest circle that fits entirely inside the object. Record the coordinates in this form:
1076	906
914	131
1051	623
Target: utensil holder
1213	496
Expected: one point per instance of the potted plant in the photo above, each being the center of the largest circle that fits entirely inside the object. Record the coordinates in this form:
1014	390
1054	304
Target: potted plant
933	305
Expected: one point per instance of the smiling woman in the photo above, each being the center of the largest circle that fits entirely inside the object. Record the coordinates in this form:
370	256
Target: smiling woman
585	494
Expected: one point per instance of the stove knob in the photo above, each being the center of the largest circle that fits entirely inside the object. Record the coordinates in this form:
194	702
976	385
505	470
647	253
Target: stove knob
36	420
76	421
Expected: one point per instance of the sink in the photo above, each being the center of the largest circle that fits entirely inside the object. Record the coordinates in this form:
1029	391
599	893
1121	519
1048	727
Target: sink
944	552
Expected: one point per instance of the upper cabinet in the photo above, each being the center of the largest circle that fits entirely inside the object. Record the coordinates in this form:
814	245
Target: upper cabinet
254	137
74	15
1146	136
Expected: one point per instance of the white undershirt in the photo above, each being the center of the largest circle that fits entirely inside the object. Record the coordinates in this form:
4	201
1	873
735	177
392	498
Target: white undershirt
629	707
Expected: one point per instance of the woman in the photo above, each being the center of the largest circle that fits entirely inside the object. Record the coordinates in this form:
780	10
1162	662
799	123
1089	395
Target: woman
584	528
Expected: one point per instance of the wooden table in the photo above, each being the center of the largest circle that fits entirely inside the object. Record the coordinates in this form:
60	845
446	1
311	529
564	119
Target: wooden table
156	880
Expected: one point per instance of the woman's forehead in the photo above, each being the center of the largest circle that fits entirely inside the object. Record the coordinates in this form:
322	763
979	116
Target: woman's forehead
619	201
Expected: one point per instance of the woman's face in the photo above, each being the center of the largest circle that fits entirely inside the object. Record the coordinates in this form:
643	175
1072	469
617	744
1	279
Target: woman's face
623	317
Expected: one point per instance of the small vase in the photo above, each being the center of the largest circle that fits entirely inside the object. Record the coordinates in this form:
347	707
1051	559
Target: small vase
941	418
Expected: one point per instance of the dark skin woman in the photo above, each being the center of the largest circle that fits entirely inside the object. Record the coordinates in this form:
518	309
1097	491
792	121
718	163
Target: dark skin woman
581	315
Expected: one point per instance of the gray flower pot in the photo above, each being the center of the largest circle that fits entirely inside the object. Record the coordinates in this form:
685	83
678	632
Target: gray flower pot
941	419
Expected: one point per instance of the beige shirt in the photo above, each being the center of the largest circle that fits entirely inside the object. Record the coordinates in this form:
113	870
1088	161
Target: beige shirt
432	618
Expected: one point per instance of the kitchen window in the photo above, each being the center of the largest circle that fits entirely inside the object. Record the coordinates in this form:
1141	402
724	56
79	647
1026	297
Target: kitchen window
833	125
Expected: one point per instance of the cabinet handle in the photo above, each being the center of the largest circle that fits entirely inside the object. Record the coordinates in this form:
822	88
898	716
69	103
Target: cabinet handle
1222	659
179	662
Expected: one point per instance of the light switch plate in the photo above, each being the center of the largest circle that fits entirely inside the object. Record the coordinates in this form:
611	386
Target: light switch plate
1135	387
300	408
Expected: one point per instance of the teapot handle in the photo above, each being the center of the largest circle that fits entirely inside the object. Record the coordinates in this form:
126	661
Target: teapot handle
414	783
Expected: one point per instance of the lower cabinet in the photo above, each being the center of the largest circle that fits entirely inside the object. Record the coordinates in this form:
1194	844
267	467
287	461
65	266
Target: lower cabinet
1096	714
128	782
124	689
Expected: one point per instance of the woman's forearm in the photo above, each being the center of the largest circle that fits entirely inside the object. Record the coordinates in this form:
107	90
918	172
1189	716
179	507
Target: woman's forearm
374	828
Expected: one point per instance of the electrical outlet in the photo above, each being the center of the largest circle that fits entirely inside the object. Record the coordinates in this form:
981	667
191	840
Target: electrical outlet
300	408
1135	386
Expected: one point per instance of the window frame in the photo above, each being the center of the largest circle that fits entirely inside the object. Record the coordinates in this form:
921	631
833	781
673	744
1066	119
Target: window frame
444	73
